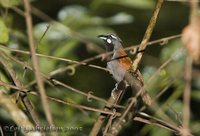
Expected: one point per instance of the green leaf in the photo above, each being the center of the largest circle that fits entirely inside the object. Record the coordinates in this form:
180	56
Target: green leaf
4	36
9	3
46	65
93	32
172	50
140	4
156	131
120	18
136	3
65	50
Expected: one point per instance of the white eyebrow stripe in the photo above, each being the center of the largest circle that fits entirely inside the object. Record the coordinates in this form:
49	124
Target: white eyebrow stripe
104	38
113	36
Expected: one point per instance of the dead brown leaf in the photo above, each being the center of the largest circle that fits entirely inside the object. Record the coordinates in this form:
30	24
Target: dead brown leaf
191	39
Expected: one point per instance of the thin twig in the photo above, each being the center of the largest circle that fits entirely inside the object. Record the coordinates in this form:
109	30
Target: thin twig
45	17
34	59
162	66
141	117
156	121
147	35
108	103
48	26
56	82
78	106
100	120
2	46
182	1
18	11
165	39
151	119
188	68
1	131
155	107
85	62
186	96
108	112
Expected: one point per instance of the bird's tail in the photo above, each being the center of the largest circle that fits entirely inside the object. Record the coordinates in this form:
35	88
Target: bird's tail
138	89
146	98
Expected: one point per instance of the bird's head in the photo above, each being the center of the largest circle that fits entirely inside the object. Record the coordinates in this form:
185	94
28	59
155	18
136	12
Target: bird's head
112	41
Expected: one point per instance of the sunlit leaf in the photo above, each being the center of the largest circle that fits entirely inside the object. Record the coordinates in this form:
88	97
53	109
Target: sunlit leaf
4	35
196	94
46	65
74	16
72	12
78	17
9	3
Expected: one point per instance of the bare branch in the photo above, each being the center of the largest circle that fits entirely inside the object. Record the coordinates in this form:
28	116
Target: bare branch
56	82
17	115
113	100
22	94
78	106
35	63
186	96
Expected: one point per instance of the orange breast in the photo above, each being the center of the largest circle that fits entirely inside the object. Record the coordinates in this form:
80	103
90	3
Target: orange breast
126	61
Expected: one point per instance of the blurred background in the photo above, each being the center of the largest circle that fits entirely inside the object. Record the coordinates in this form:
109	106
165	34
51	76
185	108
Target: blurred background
69	29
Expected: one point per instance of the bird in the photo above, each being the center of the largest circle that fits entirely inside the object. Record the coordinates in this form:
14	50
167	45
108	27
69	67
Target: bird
119	63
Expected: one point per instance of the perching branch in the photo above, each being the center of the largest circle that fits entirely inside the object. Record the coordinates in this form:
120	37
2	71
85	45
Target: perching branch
113	100
137	84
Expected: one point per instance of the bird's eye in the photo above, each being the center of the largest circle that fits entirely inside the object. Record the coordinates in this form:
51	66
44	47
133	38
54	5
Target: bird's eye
108	41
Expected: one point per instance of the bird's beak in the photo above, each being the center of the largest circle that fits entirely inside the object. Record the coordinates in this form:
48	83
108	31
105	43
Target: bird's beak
103	37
